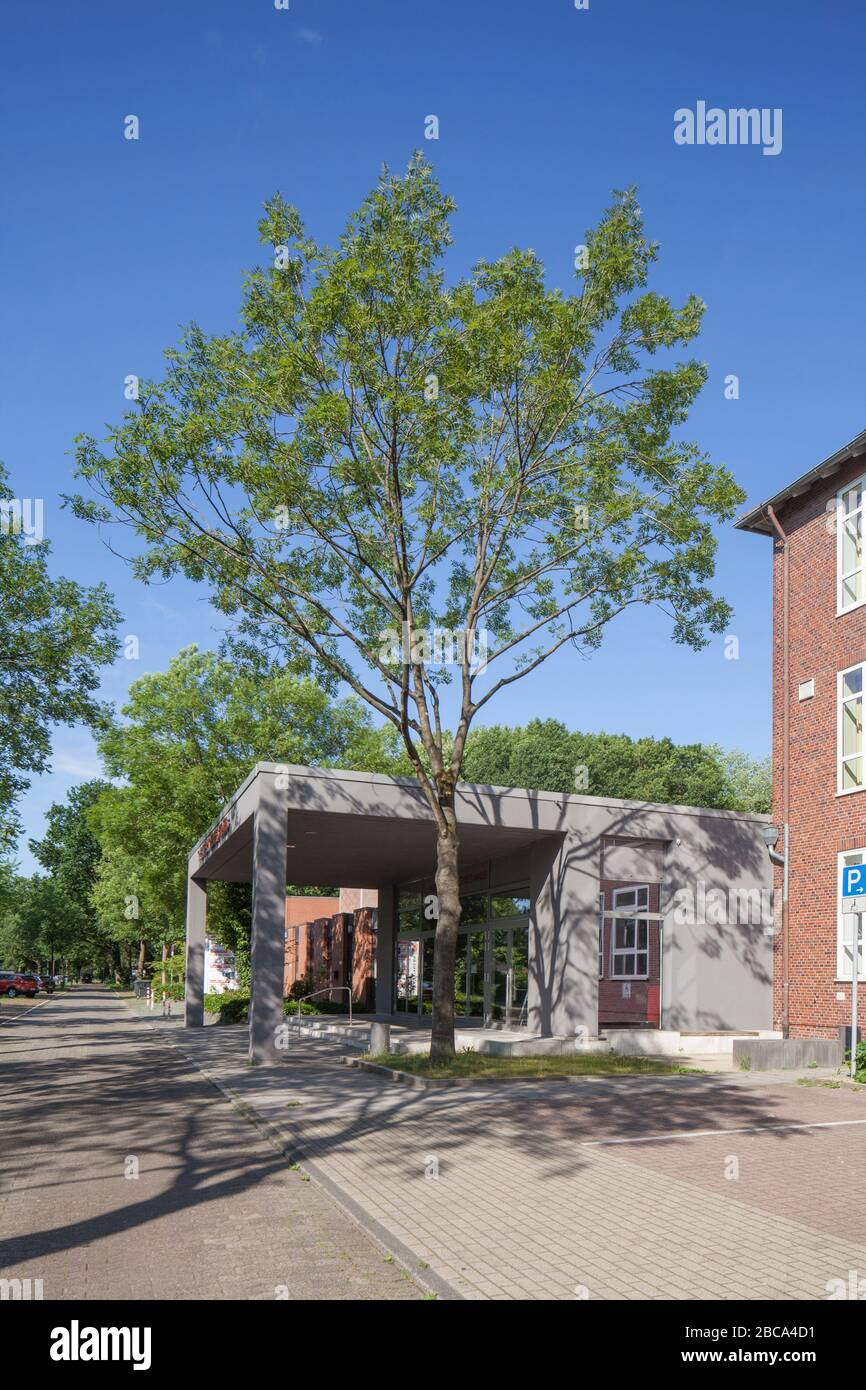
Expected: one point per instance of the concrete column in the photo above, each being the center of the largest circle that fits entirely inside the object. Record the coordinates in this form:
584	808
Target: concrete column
268	929
196	922
385	950
563	940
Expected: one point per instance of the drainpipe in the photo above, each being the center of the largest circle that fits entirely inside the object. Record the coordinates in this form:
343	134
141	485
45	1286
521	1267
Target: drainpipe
786	774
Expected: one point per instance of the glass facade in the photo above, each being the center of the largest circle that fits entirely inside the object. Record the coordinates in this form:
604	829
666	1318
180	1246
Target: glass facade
491	972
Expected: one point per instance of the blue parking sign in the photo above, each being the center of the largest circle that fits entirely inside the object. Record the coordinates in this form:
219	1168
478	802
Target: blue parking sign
853	880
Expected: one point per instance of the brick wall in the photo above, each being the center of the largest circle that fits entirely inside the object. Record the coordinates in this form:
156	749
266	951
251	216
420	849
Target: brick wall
300	913
338	950
364	958
821	823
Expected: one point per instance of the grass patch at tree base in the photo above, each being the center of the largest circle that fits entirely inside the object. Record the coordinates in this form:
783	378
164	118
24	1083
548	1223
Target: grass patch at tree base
481	1066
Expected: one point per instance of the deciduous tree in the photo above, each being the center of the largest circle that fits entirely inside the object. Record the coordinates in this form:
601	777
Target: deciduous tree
428	488
54	637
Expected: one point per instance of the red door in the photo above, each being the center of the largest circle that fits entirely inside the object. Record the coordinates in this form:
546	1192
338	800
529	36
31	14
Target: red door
653	1005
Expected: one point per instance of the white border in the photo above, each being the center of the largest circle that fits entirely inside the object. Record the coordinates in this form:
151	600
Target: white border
840	675
840	522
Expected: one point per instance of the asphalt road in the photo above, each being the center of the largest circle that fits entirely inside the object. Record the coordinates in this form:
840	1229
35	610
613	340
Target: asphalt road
124	1174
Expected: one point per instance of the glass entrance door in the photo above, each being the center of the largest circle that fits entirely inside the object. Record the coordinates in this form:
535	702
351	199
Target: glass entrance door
469	972
508	976
406	976
491	972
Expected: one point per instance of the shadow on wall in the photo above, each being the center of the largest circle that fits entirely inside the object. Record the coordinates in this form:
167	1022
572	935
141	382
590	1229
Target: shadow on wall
716	973
718	929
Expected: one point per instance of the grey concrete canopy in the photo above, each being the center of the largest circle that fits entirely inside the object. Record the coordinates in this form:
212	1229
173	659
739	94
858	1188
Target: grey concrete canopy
364	829
311	826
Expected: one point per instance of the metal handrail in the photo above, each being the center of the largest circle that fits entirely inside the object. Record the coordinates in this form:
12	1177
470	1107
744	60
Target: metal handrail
330	989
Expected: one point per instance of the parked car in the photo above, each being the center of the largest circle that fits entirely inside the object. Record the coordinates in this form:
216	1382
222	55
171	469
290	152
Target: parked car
34	981
12	982
46	983
87	979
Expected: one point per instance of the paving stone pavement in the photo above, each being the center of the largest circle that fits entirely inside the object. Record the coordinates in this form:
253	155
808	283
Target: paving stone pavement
718	1187
88	1094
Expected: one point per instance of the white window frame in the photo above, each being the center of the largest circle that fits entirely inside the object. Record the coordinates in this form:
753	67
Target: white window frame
634	889
845	960
842	790
840	527
601	936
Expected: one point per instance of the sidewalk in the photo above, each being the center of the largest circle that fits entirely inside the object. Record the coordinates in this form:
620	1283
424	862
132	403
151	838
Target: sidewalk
614	1188
124	1175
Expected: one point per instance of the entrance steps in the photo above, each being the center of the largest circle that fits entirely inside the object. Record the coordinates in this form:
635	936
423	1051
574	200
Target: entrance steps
495	1042
717	1051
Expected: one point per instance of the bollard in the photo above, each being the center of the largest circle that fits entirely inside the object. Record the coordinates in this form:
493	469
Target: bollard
380	1038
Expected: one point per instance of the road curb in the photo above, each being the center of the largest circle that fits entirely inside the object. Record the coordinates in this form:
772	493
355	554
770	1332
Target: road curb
294	1152
439	1083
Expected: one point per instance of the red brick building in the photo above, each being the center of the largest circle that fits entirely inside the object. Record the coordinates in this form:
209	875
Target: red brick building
331	949
301	915
818	529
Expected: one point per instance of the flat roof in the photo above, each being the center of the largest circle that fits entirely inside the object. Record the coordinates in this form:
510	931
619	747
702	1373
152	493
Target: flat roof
473	790
757	519
355	827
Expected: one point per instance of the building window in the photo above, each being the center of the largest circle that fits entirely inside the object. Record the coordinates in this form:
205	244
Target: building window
629	957
601	936
473	909
850	731
409	909
849	547
846	924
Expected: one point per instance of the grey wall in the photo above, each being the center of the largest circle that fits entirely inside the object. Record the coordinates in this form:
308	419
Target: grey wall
563	942
640	861
716	974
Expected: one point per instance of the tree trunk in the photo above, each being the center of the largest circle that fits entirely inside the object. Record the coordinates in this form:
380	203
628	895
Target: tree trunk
141	956
445	953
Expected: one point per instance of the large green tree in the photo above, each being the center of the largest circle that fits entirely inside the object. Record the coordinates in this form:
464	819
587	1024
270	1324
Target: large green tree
119	901
749	780
54	637
547	755
40	925
376	458
69	851
70	854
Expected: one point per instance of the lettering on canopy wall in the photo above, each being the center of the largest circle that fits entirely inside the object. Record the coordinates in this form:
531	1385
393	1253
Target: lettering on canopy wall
215	837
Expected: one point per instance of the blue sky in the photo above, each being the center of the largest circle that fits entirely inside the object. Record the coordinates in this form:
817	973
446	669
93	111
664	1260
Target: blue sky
108	245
